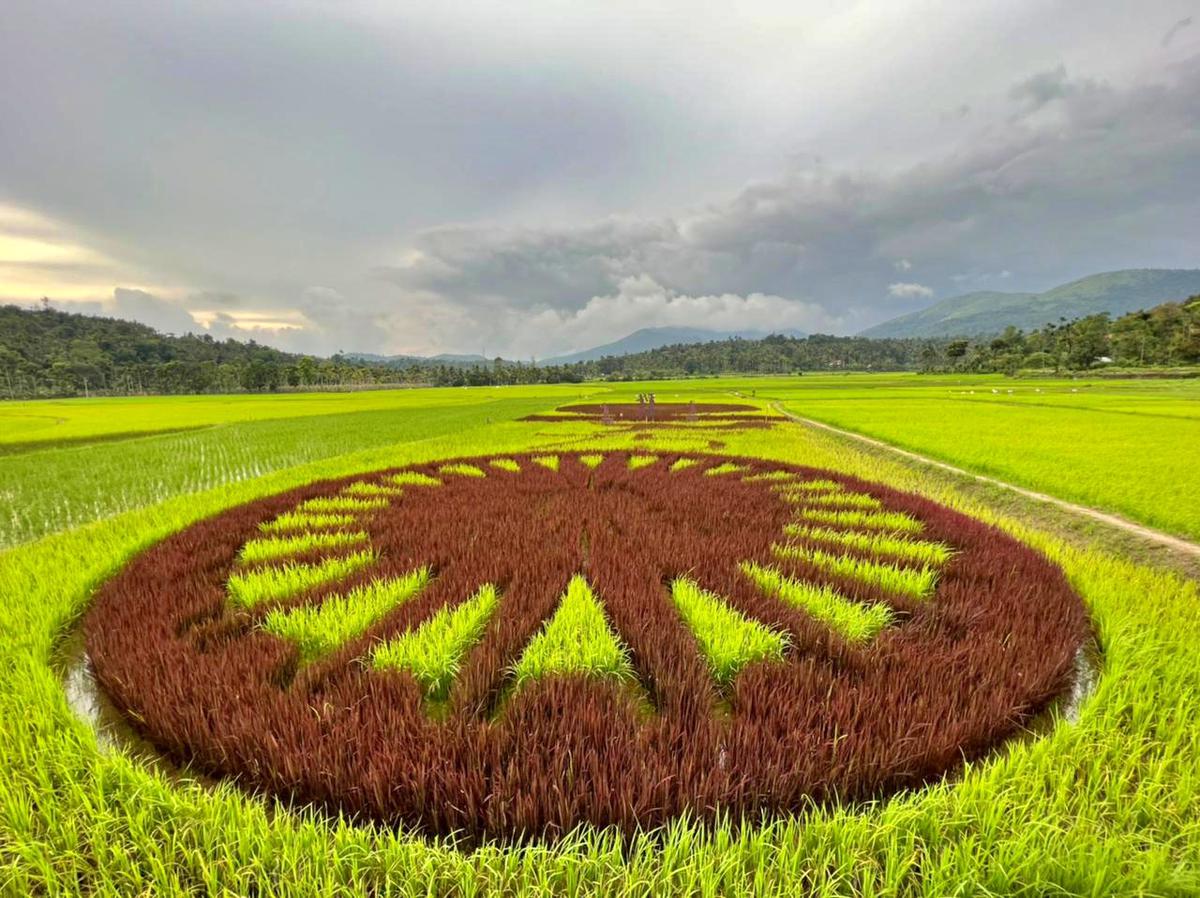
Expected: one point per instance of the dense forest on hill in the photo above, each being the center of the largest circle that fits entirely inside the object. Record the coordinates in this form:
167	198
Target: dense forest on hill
1166	336
47	352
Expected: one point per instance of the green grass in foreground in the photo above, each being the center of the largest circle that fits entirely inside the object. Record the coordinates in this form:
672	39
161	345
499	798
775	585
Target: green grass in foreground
1105	804
577	639
433	651
728	639
320	629
852	620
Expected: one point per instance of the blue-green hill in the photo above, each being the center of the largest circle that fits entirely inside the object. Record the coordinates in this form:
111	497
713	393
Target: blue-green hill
1115	292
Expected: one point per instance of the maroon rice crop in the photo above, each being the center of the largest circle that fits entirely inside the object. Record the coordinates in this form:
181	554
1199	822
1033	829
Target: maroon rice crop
955	675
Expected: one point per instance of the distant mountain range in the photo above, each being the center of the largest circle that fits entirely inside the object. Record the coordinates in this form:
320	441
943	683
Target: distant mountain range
973	314
648	338
445	358
642	340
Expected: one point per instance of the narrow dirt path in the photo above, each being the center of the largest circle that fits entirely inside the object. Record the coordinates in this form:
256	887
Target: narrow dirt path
1175	543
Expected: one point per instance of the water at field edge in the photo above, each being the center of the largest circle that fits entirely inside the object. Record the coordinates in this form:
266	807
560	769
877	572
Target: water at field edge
112	729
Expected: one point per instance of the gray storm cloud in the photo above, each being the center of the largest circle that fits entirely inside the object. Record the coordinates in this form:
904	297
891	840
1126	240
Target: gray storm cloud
425	178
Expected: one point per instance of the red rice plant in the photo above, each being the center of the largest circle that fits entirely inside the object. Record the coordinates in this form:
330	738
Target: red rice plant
959	671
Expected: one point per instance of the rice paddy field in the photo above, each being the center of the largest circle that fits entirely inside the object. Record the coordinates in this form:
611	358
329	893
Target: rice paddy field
538	641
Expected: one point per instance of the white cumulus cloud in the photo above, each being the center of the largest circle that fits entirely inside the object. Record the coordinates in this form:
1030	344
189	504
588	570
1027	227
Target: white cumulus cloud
909	290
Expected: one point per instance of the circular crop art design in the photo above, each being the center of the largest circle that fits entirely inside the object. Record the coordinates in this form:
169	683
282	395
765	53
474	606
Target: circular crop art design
713	416
509	647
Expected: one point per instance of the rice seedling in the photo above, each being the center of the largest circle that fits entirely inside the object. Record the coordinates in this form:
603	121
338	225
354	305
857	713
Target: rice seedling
834	500
261	435
684	462
641	461
895	521
462	470
577	639
273	548
724	468
258	585
363	488
414	478
811	486
591	459
335	504
918	582
771	476
293	521
433	651
547	461
854	621
317	630
505	464
875	543
728	639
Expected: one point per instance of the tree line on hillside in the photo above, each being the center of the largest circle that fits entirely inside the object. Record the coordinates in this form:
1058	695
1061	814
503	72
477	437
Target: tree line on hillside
45	352
1166	336
49	353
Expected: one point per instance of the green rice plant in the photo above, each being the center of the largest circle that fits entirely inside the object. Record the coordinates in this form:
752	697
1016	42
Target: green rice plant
577	639
876	543
102	479
895	521
269	549
916	582
318	630
364	488
812	486
681	463
547	461
724	468
414	478
853	621
505	464
291	521
253	587
728	639
343	503
463	470
434	651
835	500
641	461
592	460
769	476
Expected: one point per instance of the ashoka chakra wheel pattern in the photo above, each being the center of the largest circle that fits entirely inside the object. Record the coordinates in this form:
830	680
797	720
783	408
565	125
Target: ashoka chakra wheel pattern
511	646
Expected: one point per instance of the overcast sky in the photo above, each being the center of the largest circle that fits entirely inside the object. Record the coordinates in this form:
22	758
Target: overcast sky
534	178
